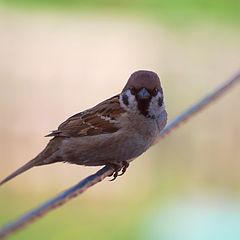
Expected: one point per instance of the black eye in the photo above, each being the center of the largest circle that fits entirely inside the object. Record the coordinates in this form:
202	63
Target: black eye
160	101
154	92
133	91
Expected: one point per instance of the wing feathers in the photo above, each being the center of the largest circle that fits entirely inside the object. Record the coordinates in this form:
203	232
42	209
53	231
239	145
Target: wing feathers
100	119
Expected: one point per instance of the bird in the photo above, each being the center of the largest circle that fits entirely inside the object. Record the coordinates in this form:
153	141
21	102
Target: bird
112	133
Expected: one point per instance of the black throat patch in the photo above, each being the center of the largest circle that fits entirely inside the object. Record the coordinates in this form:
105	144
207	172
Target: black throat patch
143	106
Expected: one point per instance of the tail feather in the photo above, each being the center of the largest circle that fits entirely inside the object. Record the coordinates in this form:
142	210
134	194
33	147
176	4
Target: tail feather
47	156
22	169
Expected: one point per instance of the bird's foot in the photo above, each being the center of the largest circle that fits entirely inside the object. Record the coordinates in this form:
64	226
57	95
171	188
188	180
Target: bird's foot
117	168
124	168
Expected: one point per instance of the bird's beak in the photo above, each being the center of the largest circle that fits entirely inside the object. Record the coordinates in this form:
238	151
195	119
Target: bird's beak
144	94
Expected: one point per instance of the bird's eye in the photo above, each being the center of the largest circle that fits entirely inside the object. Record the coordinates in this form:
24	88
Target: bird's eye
154	92
133	91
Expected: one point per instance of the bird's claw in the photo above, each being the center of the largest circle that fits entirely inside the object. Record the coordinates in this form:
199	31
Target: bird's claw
117	168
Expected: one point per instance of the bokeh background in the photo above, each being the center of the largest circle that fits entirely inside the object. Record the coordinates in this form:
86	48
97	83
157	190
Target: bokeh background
60	57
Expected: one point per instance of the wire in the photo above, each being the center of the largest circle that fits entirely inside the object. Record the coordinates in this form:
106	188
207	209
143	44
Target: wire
91	180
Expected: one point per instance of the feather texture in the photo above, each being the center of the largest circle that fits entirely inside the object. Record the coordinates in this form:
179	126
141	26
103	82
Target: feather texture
101	119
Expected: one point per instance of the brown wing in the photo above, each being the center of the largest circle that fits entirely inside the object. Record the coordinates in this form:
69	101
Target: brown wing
100	119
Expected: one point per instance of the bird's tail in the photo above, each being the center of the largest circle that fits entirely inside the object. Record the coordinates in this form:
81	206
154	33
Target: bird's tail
24	168
47	156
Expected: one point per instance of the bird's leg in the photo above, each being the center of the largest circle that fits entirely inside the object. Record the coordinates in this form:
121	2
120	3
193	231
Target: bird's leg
125	166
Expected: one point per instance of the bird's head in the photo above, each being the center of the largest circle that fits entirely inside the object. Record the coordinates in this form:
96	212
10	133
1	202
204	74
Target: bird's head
143	94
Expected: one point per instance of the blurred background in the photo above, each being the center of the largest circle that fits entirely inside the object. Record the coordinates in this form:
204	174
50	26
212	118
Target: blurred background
58	58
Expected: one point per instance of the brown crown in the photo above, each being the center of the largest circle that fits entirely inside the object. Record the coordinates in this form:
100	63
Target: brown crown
143	79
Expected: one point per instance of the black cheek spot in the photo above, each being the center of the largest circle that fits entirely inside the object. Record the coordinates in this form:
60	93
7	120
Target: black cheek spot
160	101
125	99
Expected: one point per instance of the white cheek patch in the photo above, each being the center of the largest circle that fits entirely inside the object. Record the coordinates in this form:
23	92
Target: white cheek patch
154	109
159	95
132	102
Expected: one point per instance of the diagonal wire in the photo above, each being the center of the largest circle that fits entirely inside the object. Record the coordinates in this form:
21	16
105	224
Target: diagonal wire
56	202
201	104
91	180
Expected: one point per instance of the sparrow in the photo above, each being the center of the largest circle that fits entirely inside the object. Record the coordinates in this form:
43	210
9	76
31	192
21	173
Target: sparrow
112	133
